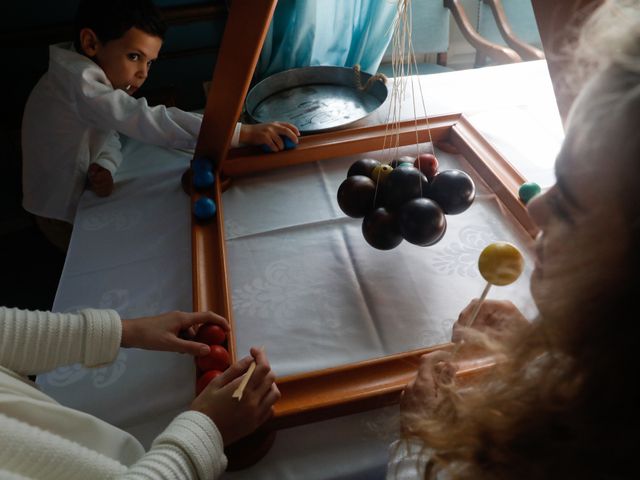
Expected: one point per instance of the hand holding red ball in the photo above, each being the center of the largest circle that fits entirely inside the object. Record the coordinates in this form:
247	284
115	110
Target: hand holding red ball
237	418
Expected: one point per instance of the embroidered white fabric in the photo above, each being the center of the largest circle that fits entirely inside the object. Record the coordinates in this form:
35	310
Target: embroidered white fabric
304	282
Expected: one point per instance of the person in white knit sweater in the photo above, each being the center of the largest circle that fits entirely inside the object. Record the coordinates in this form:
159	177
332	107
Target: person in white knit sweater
41	439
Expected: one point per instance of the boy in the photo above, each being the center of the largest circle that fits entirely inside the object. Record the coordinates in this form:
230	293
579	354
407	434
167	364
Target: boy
73	116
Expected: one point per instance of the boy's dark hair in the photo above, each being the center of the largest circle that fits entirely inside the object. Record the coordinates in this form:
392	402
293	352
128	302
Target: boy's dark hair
110	19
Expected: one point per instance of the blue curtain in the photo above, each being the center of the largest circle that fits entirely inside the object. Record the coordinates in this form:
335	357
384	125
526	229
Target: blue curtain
327	32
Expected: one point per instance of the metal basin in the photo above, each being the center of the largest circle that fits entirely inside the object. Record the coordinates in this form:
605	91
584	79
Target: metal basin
315	99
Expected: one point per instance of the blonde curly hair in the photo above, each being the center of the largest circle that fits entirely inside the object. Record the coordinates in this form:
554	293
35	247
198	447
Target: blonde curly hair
563	405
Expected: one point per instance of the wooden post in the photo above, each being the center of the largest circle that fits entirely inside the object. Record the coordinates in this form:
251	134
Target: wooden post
244	34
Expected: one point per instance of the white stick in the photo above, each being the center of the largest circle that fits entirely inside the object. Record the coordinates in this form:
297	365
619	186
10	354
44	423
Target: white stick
474	313
243	383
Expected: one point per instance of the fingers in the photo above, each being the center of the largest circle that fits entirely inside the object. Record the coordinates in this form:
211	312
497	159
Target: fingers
291	127
267	403
275	133
492	315
262	377
465	314
100	180
428	361
197	318
94	168
278	142
233	373
196	349
288	130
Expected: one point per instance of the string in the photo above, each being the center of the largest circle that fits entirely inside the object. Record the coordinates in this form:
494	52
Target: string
404	67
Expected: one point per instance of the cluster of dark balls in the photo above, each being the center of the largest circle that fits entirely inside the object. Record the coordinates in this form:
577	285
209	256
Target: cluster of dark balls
406	199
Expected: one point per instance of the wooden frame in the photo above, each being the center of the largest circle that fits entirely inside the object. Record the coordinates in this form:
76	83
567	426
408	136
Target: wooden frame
349	388
373	383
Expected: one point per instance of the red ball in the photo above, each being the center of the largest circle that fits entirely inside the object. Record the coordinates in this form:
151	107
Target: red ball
217	359
211	335
427	164
204	380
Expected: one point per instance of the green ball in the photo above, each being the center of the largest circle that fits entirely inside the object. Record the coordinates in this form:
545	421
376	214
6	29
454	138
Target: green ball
528	190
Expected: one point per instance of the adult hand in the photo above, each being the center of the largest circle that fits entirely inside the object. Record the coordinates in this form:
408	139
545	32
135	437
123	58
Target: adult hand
495	317
268	134
169	332
420	397
100	180
238	418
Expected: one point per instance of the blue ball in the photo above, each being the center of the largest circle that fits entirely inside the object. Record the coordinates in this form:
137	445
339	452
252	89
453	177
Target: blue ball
202	179
204	208
288	145
201	164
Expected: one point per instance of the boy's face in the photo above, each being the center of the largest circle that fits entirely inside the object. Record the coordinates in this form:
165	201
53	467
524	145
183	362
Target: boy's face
125	60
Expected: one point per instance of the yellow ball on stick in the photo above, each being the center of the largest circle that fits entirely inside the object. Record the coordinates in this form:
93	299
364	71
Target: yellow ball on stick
500	263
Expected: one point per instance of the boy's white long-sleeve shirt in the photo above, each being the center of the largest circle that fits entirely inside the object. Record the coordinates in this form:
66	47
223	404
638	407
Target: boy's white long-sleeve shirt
41	439
72	119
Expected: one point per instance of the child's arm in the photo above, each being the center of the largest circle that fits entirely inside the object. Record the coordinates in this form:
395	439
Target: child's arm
103	168
105	108
269	134
102	107
32	342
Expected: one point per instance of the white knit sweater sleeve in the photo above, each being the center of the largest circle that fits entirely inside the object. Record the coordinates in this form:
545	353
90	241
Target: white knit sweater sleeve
32	342
190	448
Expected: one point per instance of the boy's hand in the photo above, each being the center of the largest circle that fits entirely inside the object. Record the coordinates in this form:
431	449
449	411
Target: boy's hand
100	180
169	332
238	418
497	317
420	397
268	134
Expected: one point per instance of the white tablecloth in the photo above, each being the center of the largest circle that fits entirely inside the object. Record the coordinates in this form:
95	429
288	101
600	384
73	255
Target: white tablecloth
304	283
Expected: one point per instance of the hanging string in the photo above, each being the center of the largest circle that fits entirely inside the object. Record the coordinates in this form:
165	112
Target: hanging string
404	66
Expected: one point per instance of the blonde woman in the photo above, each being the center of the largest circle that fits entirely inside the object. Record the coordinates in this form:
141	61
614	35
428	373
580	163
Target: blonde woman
562	402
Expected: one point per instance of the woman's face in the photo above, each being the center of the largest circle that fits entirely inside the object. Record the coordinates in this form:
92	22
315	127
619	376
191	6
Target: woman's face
583	235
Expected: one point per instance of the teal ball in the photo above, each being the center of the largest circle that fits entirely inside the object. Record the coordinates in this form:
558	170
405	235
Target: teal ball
528	190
